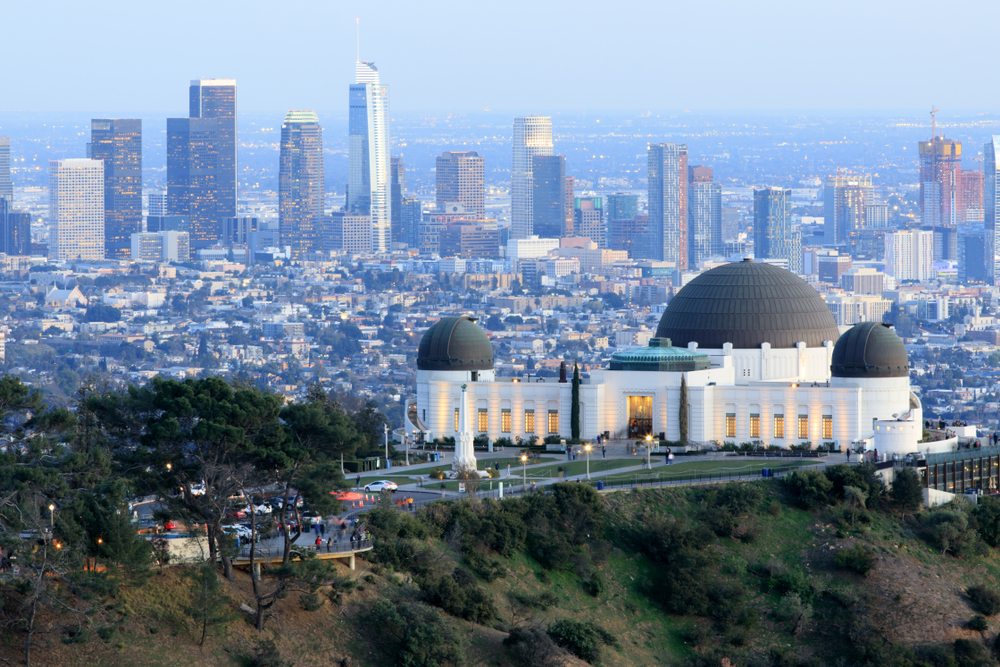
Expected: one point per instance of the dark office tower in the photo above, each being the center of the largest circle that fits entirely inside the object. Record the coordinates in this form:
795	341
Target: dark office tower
589	220
704	215
460	178
118	142
410	218
569	225
301	183
774	235
15	229
621	206
972	257
548	196
668	218
6	185
201	160
397	188
238	230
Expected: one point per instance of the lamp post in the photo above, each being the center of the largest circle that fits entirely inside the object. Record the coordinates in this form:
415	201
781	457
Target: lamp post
386	428
52	520
587	449
649	449
524	472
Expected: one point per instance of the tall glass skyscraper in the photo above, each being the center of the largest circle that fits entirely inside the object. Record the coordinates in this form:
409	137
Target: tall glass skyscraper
548	196
6	185
459	178
774	235
667	236
368	186
301	182
532	136
118	143
704	215
397	182
201	160
991	197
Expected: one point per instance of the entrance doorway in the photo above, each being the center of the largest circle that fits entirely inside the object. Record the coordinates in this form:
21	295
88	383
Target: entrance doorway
640	416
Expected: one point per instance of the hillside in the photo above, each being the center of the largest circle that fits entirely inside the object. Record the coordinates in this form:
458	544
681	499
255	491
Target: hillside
748	573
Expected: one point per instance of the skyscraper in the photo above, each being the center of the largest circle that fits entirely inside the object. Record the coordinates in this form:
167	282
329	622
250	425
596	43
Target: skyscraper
460	178
118	143
940	187
6	185
397	178
76	210
368	187
15	229
532	136
301	182
845	205
704	215
775	237
991	165
621	206
971	199
410	218
909	254
589	220
201	160
668	217
549	196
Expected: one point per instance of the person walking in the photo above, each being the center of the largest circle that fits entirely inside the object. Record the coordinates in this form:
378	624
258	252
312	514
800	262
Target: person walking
322	529
508	470
358	484
319	541
410	502
329	543
604	452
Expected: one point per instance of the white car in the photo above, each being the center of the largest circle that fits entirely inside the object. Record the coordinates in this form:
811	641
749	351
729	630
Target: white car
380	485
260	510
243	532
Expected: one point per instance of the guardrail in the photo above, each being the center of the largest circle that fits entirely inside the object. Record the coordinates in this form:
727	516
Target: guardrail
273	553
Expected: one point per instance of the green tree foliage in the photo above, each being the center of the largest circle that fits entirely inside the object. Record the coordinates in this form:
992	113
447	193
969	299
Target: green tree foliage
583	639
574	418
948	527
209	606
859	558
862	477
682	410
907	492
809	488
102	313
987	516
984	600
460	595
411	634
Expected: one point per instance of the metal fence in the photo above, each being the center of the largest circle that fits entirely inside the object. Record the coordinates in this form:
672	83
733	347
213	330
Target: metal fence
272	553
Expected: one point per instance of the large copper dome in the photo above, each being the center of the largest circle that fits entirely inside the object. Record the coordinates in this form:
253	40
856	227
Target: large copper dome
455	344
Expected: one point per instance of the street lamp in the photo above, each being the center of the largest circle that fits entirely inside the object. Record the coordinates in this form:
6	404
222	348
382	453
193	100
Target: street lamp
649	449
586	448
52	519
386	427
524	472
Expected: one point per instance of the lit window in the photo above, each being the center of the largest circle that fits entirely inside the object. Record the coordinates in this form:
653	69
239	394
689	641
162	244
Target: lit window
529	421
456	419
730	425
779	426
484	421
505	421
553	422
754	426
803	427
828	427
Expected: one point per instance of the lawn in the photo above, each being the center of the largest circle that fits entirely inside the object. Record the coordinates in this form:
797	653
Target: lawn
707	470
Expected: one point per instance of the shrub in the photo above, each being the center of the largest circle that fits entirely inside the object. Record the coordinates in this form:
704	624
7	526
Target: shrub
533	647
594	586
947	527
459	595
412	634
987	515
907	493
858	558
984	600
809	488
583	639
970	653
978	623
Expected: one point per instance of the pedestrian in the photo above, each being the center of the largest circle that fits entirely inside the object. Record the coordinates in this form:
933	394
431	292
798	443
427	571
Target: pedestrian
322	529
319	541
358	485
508	470
604	453
569	453
329	543
411	503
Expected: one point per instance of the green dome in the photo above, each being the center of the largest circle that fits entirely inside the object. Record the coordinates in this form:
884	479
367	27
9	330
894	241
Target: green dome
455	344
748	303
870	350
659	356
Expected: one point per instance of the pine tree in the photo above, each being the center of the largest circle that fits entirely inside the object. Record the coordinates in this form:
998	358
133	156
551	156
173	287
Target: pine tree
683	410
574	419
209	605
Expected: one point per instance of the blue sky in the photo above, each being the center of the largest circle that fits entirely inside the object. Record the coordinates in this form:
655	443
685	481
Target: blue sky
524	56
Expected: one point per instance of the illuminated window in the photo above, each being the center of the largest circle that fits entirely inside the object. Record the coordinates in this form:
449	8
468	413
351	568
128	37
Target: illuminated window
529	421
456	419
484	421
803	427
730	425
505	421
754	426
779	426
553	422
828	427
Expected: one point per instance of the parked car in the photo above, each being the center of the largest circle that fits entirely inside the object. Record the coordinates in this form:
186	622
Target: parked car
244	532
380	485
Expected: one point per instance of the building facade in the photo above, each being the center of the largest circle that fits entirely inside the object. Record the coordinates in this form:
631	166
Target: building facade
588	214
704	216
369	171
667	229
15	229
991	197
548	196
845	205
909	254
775	236
166	246
76	210
397	190
118	143
301	183
459	177
6	184
532	136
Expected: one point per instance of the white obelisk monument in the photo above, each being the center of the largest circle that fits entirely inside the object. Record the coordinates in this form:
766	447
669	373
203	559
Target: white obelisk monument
465	455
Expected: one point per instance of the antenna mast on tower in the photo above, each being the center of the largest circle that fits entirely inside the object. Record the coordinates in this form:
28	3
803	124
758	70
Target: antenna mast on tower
358	24
934	110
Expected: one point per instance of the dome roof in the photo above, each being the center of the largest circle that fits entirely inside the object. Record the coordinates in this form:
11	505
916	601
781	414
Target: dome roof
748	303
660	355
455	344
870	350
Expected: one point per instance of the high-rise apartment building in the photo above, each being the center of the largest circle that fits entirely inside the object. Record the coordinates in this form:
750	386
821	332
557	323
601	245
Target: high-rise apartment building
369	172
201	160
166	246
972	255
532	136
668	217
774	235
588	213
704	215
410	218
15	229
991	222
846	198
397	190
459	178
76	210
940	183
621	206
971	196
118	143
909	254
238	230
549	196
6	184
301	183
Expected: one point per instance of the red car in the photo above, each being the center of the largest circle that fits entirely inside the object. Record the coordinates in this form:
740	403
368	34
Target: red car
169	524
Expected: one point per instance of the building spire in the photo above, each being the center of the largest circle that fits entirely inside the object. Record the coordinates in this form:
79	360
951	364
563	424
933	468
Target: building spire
358	24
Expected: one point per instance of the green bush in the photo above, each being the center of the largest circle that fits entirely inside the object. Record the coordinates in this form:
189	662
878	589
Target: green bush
583	639
412	634
978	623
858	558
809	488
459	595
907	492
947	527
984	600
987	515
